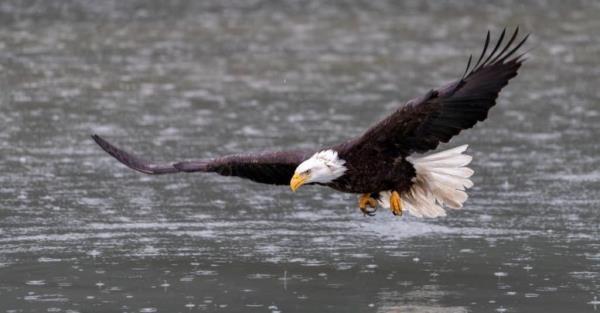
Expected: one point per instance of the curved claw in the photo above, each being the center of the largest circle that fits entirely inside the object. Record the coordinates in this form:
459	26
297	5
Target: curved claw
366	200
367	212
396	204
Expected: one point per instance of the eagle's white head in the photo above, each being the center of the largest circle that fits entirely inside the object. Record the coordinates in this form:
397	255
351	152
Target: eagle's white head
323	167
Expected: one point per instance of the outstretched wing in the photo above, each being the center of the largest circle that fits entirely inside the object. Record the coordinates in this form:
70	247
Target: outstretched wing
422	123
276	168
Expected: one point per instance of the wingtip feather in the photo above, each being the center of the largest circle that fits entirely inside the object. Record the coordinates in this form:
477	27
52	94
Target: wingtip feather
131	160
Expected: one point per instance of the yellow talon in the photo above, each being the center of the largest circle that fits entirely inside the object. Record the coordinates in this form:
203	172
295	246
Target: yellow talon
396	203
365	200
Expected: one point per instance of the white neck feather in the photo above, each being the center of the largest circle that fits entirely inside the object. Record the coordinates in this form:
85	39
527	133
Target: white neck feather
325	166
331	159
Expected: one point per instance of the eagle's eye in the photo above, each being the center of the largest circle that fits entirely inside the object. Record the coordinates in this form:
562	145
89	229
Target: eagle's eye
307	172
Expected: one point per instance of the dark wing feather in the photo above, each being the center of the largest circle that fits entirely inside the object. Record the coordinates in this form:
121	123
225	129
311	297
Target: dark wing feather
422	123
276	168
132	161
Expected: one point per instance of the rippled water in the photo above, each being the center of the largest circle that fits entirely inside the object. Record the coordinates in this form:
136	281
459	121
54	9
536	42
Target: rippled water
181	80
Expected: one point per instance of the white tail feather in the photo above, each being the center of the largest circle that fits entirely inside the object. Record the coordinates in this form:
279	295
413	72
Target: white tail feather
446	153
441	180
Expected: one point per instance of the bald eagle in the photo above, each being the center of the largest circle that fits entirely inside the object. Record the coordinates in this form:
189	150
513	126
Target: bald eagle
380	164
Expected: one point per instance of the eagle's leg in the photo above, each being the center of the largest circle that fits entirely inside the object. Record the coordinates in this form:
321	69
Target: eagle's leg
367	200
396	203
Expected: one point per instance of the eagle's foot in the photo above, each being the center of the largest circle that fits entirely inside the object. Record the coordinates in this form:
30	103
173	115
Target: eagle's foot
396	203
366	200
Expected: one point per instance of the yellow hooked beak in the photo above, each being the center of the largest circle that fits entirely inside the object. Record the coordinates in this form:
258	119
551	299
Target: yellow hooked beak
298	180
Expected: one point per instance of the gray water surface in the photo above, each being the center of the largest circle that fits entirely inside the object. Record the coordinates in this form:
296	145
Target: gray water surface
183	80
